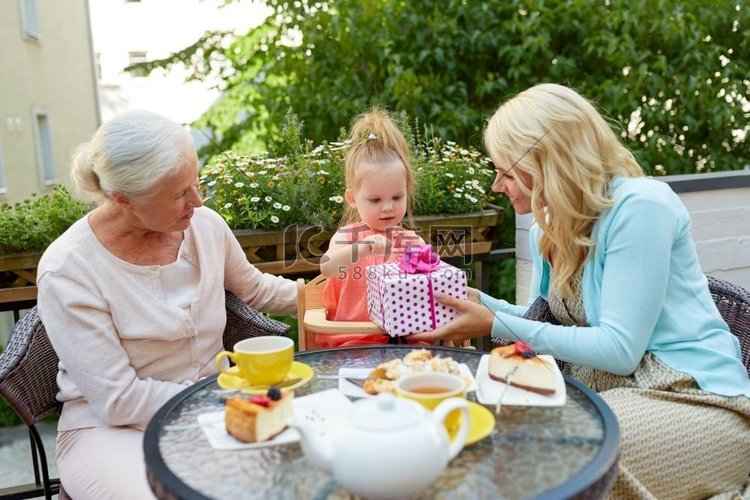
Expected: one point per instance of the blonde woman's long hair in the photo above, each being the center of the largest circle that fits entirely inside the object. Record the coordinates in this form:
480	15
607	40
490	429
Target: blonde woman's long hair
375	140
571	154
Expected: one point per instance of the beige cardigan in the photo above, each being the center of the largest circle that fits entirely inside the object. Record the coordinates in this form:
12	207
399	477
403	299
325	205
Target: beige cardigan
124	351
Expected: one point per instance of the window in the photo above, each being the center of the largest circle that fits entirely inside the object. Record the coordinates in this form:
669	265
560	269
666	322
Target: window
137	57
44	153
29	19
3	185
98	65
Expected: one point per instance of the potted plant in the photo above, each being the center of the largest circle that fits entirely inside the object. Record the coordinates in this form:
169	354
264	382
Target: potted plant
26	229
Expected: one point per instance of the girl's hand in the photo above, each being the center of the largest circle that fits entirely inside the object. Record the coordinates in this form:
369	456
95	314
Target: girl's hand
473	320
341	254
378	244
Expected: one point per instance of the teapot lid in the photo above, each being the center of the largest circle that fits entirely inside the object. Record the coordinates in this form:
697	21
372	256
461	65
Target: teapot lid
385	413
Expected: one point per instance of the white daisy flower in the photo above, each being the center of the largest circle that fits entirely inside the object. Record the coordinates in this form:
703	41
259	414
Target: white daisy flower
274	219
255	199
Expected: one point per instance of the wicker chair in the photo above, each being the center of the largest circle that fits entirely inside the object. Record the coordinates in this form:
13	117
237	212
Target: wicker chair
733	303
28	373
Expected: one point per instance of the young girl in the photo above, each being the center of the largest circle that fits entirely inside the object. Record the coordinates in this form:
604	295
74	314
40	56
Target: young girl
379	191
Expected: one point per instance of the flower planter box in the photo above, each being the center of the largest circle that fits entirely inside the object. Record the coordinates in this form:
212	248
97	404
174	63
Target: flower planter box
295	250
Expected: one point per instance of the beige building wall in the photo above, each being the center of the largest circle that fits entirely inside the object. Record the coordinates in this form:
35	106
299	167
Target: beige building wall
49	70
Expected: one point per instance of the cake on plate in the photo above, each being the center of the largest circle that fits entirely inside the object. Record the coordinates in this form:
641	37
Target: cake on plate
258	418
532	373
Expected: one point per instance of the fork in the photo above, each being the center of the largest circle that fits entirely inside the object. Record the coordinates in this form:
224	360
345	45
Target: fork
508	379
359	382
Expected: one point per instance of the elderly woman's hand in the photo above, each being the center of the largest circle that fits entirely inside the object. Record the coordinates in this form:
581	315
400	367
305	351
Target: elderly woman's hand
473	320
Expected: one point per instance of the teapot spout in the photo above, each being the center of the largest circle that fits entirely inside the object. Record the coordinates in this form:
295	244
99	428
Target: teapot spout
317	448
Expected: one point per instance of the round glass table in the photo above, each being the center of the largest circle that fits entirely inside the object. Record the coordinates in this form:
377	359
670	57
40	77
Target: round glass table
533	452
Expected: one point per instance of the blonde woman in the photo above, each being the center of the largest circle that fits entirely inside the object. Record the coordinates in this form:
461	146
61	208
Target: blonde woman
614	257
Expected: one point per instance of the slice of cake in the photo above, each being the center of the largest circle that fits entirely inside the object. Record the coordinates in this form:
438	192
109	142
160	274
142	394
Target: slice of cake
259	418
532	373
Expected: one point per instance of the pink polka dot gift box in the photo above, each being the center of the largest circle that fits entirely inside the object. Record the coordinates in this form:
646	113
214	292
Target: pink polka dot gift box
401	296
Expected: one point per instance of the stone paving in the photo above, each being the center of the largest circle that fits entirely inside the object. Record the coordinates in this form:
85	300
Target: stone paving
15	453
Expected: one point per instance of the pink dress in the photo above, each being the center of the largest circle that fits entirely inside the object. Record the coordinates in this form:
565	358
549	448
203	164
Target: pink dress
345	296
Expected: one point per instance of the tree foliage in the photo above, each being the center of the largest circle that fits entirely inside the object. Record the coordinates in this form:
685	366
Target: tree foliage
672	74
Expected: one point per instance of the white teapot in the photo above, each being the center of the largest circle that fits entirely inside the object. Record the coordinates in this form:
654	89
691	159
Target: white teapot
386	447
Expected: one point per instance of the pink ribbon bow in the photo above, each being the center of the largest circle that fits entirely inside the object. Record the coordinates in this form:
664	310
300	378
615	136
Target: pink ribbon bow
419	259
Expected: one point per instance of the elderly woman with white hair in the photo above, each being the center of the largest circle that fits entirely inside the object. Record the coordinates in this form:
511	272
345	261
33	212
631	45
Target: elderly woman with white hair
132	298
614	258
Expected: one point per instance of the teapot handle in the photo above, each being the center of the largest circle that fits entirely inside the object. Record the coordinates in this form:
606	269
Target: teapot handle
440	413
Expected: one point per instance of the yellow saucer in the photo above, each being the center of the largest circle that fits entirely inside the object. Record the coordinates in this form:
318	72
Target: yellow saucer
234	380
482	422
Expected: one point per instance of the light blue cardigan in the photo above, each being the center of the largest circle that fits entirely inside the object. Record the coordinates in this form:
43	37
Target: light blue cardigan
643	290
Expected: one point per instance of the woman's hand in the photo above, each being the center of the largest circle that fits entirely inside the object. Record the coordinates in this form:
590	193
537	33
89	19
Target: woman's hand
472	294
473	320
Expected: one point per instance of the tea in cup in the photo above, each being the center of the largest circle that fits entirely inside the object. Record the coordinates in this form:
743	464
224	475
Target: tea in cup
261	360
432	388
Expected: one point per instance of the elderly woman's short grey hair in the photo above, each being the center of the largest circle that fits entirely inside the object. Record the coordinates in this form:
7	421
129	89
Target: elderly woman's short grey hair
129	154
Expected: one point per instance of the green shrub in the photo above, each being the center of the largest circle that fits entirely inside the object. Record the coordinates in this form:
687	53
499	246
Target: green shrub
7	416
672	74
35	223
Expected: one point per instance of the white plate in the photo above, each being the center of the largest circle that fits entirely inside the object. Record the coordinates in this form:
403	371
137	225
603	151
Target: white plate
357	392
488	390
319	409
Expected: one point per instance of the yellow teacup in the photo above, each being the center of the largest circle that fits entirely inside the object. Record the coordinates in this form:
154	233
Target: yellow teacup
261	360
431	389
